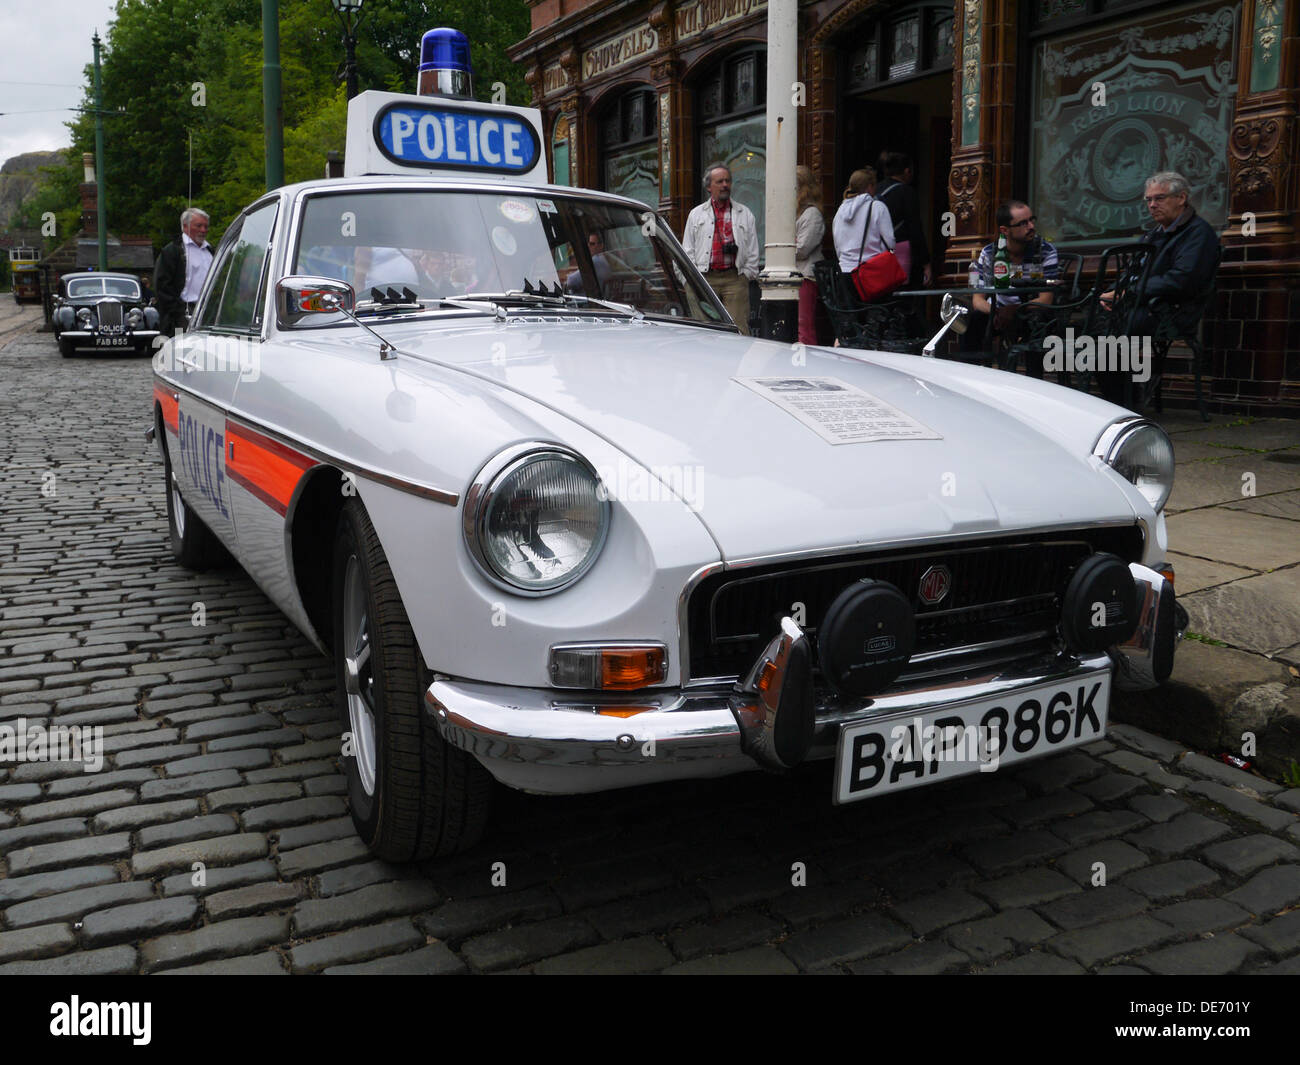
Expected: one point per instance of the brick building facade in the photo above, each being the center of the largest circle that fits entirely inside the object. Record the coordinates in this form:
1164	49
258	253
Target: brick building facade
1068	104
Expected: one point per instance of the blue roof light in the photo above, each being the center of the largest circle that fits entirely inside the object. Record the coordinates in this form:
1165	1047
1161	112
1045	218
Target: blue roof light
445	49
445	68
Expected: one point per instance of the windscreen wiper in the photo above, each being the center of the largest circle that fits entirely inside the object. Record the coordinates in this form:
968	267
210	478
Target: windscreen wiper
529	296
390	299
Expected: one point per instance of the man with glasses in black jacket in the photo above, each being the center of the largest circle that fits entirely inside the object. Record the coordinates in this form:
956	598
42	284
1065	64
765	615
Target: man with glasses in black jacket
1179	276
1187	252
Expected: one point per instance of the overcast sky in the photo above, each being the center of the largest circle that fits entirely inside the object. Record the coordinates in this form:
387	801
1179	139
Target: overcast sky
46	43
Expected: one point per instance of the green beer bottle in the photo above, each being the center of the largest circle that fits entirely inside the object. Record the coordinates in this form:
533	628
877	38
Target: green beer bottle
1001	264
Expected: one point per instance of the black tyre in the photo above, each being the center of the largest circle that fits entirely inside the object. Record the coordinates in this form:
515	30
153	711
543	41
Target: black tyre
194	545
67	348
412	795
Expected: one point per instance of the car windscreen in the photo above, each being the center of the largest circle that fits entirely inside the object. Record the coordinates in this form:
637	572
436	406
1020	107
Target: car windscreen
122	286
445	243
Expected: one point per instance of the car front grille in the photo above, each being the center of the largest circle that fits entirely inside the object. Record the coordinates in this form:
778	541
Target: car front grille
110	316
1004	600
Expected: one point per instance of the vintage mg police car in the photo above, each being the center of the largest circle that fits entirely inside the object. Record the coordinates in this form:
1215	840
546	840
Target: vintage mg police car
103	312
495	446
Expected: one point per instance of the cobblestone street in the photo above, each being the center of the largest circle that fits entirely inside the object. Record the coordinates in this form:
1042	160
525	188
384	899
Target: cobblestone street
220	748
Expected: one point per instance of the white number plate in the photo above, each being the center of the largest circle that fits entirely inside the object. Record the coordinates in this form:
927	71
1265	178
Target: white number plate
897	753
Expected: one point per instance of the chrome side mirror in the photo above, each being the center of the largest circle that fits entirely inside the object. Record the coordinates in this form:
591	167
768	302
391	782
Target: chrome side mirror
300	297
953	312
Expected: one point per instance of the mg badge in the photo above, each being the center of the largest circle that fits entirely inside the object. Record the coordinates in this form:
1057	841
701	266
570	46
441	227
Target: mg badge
936	582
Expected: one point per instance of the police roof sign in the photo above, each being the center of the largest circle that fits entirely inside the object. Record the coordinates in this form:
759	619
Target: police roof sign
429	135
389	133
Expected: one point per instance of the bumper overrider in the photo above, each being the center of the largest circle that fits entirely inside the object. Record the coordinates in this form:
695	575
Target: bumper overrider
774	717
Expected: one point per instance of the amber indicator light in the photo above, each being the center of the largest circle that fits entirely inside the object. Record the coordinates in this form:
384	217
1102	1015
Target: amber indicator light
628	668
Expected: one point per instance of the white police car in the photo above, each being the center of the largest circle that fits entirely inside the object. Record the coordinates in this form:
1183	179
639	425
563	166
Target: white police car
495	446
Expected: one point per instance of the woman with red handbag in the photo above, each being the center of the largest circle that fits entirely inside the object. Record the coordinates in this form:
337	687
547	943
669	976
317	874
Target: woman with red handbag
864	239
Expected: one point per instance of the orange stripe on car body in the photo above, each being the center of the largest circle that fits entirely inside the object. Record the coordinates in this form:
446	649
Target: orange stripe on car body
169	402
265	467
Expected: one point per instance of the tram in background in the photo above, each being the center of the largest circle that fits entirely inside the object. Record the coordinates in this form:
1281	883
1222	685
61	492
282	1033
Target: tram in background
27	281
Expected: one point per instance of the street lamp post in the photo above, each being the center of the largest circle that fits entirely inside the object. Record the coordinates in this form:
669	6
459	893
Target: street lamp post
272	101
349	13
780	281
100	212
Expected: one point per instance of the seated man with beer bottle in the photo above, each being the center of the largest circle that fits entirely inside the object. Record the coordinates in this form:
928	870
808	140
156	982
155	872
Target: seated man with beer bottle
1019	256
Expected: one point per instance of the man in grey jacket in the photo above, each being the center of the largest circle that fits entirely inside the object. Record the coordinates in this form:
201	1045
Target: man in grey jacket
721	239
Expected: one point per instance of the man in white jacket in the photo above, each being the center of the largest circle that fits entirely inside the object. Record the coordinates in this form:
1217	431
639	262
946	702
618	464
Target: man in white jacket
721	239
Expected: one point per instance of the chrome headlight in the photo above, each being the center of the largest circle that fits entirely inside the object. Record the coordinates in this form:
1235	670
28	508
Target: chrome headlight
535	518
1142	454
84	316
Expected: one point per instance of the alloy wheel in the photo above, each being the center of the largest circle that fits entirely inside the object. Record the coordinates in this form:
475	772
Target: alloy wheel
359	679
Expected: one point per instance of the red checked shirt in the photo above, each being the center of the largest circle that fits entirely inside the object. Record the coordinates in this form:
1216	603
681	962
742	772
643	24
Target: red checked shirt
719	260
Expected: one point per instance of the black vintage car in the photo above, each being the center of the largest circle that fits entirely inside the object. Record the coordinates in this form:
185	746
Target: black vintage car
103	312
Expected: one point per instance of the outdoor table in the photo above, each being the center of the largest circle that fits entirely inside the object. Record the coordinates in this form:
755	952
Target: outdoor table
1034	288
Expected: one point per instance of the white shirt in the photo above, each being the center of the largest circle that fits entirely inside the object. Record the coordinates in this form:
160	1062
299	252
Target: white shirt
697	240
198	261
862	211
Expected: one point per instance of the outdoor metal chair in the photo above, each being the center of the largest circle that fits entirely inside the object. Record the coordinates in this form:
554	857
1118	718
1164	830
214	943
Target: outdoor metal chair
1070	270
1132	314
1035	324
883	325
1173	322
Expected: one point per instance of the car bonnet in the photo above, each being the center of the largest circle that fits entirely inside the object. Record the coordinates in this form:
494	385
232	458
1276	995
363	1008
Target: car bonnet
690	409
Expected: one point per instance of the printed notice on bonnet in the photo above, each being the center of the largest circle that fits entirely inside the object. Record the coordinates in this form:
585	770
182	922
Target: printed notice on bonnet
838	412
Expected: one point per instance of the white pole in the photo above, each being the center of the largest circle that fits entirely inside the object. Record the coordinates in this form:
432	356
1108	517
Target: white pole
780	282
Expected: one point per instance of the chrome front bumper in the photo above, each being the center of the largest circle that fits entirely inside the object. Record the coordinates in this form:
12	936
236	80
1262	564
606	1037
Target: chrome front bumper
537	740
546	741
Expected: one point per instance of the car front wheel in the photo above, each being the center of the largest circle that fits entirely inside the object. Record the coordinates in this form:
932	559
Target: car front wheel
412	795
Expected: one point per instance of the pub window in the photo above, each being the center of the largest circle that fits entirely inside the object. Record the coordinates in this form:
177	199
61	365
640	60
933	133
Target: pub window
912	43
629	145
1170	77
732	120
1062	14
560	151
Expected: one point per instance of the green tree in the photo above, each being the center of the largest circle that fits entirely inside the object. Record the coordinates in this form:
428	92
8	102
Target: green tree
59	193
183	94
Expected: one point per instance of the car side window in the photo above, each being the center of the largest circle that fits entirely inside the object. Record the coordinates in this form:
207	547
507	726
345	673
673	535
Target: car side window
235	300
221	263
